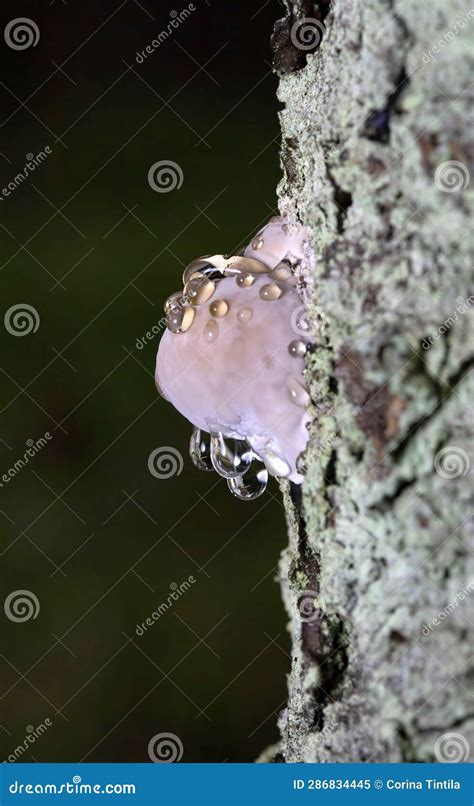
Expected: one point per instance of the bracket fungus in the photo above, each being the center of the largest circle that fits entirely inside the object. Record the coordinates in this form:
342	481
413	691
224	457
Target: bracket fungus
232	358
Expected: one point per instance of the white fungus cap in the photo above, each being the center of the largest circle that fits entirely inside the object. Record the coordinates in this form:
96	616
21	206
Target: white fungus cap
238	368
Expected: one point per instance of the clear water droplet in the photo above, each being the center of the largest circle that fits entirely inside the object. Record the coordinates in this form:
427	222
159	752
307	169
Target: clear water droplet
245	280
199	290
174	302
298	394
200	449
211	331
230	457
297	348
257	243
270	292
275	465
245	314
201	267
219	308
252	485
180	320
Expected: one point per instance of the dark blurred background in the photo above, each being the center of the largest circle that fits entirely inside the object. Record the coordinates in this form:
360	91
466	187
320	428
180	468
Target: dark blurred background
94	250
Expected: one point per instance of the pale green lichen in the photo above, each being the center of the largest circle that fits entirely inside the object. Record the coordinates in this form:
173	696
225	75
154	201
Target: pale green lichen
382	538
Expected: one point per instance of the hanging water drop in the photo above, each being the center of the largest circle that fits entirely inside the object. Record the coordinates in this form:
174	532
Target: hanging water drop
200	449
252	485
230	457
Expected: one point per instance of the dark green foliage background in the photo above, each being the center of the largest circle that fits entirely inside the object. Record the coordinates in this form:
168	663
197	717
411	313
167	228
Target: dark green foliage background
82	372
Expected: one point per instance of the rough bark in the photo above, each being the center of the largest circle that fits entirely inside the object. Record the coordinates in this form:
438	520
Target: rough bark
378	535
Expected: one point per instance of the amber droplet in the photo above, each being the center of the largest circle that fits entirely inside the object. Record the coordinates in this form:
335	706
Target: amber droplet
245	280
270	292
245	314
211	331
257	243
297	348
219	308
199	290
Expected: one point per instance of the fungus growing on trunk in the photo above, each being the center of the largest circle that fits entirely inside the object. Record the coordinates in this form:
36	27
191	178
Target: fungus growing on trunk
232	359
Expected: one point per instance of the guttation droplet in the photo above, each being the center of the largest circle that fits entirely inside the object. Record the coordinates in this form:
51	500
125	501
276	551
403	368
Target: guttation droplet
298	394
257	243
211	331
270	292
245	280
245	314
200	449
297	348
199	290
252	485
180	320
230	457
219	308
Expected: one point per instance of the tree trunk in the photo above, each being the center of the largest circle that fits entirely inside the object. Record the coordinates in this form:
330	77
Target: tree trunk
375	579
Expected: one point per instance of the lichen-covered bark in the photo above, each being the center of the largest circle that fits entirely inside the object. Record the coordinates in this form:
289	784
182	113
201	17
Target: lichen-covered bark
378	539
